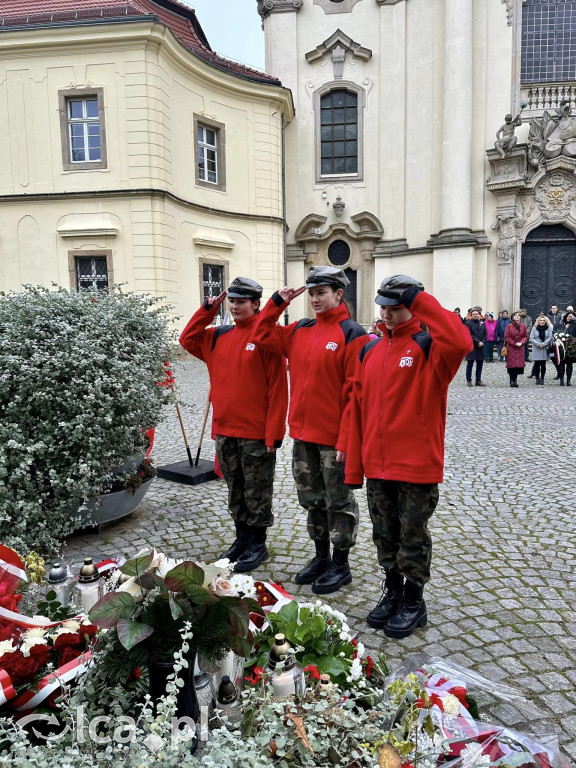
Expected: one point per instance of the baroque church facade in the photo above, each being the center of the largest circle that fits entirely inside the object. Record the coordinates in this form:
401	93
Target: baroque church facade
391	159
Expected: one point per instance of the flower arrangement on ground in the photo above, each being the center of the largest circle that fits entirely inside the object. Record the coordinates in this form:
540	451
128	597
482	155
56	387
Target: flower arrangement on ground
147	612
79	375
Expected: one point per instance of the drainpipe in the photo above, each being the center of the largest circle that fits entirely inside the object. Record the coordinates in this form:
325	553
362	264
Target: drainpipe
285	238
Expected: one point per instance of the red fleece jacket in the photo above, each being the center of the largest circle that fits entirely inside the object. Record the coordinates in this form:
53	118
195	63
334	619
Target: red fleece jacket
398	408
249	387
321	358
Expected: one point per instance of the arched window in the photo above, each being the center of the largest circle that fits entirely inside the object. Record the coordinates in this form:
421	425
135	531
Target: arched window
339	133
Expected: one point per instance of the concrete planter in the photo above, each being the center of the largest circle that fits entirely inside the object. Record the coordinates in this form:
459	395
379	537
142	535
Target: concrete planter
114	506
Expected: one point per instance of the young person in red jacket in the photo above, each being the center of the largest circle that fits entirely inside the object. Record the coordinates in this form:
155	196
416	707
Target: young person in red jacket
249	392
321	358
396	440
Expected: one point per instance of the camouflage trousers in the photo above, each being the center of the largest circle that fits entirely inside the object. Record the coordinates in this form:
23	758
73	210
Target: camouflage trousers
331	506
400	513
248	469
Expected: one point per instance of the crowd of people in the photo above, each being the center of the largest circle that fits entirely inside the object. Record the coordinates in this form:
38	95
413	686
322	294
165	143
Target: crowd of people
550	337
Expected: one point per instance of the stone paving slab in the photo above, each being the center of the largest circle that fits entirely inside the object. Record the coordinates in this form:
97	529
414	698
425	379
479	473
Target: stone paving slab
502	597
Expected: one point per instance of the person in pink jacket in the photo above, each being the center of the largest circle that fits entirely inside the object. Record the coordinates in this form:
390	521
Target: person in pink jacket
490	324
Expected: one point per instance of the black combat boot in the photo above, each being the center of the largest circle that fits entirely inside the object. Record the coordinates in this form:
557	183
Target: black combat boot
392	588
411	612
337	575
256	552
240	544
561	381
317	566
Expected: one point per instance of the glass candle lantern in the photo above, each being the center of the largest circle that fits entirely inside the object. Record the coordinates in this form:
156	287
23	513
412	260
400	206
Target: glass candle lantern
286	674
60	581
89	585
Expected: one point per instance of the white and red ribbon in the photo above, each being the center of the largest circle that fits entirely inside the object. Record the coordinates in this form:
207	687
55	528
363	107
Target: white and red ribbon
50	683
7	691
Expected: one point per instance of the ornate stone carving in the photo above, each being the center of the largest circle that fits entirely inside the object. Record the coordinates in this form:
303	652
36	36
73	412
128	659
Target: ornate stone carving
509	10
338	40
266	7
552	135
338	56
339	206
506	247
505	138
336	6
555	195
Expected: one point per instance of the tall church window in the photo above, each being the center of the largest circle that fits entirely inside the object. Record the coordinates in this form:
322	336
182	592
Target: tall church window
339	133
548	41
338	111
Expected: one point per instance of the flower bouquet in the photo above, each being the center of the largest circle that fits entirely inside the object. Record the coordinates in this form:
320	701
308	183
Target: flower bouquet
154	598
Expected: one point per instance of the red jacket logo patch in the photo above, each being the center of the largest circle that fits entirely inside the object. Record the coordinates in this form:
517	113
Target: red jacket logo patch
250	347
406	362
332	346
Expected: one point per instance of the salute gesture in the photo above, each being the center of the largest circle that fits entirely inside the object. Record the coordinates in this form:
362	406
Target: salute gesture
290	293
216	301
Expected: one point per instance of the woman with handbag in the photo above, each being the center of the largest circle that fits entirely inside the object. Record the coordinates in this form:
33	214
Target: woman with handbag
541	338
515	337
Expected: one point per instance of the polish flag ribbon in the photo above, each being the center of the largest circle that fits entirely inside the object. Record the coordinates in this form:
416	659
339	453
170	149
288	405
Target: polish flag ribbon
50	683
11	562
7	691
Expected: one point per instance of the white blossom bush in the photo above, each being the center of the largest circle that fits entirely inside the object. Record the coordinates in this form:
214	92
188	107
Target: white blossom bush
79	375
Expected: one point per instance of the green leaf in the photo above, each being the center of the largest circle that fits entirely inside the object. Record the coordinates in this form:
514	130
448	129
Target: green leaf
331	666
254	606
137	565
149	580
239	645
239	614
184	576
130	633
289	612
112	607
175	608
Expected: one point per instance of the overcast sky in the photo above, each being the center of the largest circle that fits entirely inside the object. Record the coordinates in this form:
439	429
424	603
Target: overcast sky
233	28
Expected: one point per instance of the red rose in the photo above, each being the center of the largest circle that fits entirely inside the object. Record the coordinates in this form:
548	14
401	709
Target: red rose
135	674
69	655
20	668
7	630
67	640
88	629
10	602
41	654
369	666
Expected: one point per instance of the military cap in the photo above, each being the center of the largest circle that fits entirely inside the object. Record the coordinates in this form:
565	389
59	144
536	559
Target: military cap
244	288
391	288
327	276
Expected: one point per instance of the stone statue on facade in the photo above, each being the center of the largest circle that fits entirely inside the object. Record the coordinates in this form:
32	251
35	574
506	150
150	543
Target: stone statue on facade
552	135
505	138
506	247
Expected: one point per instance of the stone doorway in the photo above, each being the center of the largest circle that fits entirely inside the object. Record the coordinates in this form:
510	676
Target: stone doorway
548	269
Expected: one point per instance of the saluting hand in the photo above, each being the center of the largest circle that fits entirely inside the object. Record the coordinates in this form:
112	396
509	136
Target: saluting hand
290	293
216	301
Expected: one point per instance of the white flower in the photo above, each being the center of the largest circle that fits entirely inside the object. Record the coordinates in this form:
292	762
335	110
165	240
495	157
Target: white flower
132	588
451	704
36	632
7	646
361	649
244	585
223	587
70	625
166	564
472	756
356	669
29	643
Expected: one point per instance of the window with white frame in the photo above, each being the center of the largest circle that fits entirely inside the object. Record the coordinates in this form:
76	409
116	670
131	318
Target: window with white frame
210	153
207	154
82	127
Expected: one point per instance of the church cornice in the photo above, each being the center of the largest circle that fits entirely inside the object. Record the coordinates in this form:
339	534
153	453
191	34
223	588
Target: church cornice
266	7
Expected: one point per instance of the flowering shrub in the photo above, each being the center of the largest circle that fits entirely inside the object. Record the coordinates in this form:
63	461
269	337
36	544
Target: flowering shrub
78	383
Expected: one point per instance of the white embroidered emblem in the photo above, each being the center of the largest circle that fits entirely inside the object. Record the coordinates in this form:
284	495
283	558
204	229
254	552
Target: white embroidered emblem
250	347
406	362
332	346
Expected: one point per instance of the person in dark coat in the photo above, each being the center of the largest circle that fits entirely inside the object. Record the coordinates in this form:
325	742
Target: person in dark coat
478	333
503	321
515	337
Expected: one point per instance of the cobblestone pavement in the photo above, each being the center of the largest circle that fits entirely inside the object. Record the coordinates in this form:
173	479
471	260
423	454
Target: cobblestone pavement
502	597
